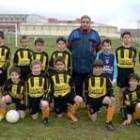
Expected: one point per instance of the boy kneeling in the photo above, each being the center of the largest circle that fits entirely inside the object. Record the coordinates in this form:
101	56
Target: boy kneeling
62	90
131	100
98	92
36	88
13	92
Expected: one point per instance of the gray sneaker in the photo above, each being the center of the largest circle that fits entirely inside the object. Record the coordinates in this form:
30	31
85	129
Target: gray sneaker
109	126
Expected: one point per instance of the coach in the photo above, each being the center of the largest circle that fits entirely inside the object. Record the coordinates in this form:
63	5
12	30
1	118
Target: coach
83	43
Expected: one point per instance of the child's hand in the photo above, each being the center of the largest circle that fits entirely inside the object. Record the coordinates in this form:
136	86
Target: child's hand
114	82
125	123
22	102
127	102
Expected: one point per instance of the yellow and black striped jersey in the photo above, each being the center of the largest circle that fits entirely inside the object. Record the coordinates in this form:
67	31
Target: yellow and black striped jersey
15	90
61	83
37	85
98	86
131	96
22	57
66	56
126	57
43	57
4	57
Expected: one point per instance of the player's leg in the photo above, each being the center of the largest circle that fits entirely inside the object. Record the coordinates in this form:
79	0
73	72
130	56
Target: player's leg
92	111
20	106
79	80
110	111
137	114
45	111
3	105
58	106
76	101
34	105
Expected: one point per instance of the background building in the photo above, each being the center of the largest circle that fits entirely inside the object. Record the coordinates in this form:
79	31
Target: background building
38	25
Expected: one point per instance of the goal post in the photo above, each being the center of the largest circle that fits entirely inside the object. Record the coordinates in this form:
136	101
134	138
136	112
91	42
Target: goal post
4	26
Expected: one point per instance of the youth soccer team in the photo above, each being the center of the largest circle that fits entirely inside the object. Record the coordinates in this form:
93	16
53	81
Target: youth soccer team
39	84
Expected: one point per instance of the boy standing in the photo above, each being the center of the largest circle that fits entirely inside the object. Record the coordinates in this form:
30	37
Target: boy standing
109	59
22	57
99	92
4	60
62	90
61	52
126	58
13	92
41	55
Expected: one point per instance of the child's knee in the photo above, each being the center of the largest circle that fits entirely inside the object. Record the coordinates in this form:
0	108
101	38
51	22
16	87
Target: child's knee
8	99
78	100
93	117
138	106
5	99
44	104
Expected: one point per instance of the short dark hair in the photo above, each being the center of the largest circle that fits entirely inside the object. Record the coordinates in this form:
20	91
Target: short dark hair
36	62
39	40
125	33
98	63
14	69
2	34
134	76
23	37
107	41
59	59
61	38
85	16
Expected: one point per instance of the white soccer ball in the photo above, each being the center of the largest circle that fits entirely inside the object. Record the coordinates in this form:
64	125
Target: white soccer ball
12	116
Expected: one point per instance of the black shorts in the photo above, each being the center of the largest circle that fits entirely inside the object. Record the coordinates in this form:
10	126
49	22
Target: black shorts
3	77
94	105
123	74
34	104
17	103
60	103
130	109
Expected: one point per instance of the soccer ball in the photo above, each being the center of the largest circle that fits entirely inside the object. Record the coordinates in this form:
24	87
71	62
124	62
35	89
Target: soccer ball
12	116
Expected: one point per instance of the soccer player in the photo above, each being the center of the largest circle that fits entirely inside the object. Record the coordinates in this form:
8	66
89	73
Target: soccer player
22	57
36	90
62	90
61	52
126	58
99	92
13	92
131	100
83	43
41	55
4	60
109	59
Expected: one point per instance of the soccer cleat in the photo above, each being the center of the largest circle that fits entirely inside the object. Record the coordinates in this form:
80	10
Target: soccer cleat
1	117
137	122
46	121
109	126
72	117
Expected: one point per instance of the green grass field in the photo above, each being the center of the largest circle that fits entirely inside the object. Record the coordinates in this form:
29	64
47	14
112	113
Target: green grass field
64	129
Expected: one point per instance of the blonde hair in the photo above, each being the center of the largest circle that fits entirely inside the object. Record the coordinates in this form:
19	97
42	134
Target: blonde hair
35	62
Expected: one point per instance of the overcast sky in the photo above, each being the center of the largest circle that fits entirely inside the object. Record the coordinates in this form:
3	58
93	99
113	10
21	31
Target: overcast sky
121	13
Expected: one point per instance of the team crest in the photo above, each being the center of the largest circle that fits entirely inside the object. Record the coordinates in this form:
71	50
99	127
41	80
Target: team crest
107	61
